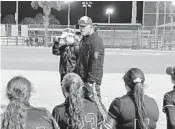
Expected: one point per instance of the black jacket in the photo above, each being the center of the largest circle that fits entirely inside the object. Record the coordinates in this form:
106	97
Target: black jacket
68	56
91	59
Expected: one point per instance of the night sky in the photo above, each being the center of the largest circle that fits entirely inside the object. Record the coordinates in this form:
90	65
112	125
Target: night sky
122	11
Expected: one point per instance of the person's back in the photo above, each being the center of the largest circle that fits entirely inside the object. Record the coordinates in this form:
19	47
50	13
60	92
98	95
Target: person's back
91	118
19	114
135	110
169	101
169	108
40	118
124	108
76	112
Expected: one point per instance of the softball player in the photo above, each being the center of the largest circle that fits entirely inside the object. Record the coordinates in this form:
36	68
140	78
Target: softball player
76	112
169	101
19	114
135	110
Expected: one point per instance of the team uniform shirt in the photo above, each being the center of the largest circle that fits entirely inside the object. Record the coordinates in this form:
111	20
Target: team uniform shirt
91	59
91	116
169	102
40	118
122	110
68	56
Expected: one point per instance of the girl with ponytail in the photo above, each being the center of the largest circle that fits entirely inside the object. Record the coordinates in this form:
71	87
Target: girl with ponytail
76	112
19	114
135	110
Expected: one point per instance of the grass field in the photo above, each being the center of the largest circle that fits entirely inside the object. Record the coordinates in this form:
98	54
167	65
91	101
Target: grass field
40	66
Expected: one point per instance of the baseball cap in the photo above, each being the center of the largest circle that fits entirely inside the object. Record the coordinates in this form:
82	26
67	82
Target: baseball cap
66	32
171	71
84	21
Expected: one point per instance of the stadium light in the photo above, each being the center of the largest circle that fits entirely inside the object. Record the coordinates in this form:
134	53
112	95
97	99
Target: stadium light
109	11
86	5
68	17
173	2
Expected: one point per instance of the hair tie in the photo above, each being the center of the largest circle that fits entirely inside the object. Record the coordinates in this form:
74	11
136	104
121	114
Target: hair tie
22	101
137	80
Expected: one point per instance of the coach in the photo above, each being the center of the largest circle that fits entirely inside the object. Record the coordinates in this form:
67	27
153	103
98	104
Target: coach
91	56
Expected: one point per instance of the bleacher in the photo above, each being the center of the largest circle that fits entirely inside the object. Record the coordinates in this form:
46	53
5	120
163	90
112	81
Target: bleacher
12	41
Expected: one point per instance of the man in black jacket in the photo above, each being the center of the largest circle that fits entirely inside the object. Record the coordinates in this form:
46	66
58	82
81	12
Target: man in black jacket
67	47
91	57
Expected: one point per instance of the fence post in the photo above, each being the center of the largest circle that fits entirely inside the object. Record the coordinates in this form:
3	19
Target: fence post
114	39
157	23
138	38
16	40
7	40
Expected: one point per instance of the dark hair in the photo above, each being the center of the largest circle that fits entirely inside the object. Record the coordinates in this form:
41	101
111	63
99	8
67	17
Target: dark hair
95	26
18	92
73	84
134	79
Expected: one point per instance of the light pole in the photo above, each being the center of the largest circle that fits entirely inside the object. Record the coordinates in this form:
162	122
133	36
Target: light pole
16	14
134	12
157	23
109	11
86	5
68	15
16	19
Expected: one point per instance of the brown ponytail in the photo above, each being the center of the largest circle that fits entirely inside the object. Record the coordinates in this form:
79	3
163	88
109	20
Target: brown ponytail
18	92
134	79
73	85
138	99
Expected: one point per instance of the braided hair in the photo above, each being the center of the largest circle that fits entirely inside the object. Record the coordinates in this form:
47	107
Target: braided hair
18	92
73	84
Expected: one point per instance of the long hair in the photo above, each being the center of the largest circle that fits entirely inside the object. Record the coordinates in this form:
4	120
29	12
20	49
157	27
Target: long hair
73	84
134	79
18	92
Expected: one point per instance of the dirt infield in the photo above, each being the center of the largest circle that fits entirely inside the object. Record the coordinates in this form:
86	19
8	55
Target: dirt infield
116	61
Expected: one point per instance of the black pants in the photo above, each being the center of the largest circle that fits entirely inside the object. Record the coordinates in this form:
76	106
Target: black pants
62	75
88	91
88	94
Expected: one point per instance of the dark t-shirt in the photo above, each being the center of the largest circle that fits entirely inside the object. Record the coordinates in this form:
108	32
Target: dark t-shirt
122	110
91	115
169	108
40	118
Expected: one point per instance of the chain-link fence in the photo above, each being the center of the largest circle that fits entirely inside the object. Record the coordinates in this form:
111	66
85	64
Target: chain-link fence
161	37
157	25
120	38
114	36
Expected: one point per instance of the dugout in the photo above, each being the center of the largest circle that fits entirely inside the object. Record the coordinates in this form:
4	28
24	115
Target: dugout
120	35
